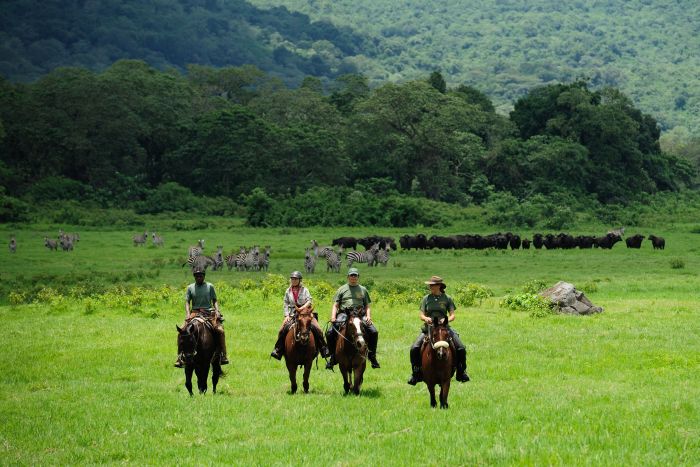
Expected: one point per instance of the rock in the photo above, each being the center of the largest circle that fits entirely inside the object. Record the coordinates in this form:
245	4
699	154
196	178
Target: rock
569	300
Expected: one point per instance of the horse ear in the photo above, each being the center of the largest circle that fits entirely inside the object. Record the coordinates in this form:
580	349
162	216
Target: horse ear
178	328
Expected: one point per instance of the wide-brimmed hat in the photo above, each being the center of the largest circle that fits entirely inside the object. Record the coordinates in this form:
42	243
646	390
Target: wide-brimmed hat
434	280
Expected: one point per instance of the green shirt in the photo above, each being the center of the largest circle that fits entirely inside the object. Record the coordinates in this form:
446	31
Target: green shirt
437	306
351	296
201	296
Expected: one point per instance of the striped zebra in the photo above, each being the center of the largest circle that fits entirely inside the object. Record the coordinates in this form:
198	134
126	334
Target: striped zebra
334	260
309	261
194	250
201	262
139	240
264	260
218	258
234	259
382	256
320	251
50	244
13	245
66	243
157	240
251	259
363	256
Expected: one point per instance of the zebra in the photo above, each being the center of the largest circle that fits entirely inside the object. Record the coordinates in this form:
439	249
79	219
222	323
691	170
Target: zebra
200	261
382	255
218	258
13	245
235	260
140	239
251	259
66	243
264	260
157	240
50	244
320	251
194	250
363	256
309	261
334	260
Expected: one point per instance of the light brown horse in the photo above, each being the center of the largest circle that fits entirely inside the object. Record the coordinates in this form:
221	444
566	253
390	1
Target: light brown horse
300	348
437	358
351	353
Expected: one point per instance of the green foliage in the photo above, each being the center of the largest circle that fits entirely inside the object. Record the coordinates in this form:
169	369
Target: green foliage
536	306
471	294
677	263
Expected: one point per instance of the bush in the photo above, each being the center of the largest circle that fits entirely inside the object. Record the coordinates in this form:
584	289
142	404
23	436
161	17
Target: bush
537	306
470	294
677	263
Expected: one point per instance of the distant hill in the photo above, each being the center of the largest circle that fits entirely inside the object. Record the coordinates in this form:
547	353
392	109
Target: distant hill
648	48
38	36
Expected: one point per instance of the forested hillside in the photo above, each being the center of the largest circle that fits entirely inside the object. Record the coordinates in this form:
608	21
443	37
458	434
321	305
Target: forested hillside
133	136
37	36
647	48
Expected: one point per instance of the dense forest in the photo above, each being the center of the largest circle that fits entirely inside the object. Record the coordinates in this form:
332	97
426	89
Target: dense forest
647	49
134	136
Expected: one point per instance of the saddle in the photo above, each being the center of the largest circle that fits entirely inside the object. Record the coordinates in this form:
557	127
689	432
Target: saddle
205	320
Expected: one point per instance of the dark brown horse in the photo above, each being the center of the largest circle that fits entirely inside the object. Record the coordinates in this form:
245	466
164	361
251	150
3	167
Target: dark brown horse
300	348
437	357
197	346
351	353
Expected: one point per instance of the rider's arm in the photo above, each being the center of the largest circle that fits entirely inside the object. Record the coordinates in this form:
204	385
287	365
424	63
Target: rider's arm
187	309
286	303
216	305
424	318
334	311
451	317
368	313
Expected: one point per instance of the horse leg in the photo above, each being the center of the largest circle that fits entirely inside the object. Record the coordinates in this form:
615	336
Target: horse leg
216	372
358	380
444	391
346	379
307	372
202	375
292	377
188	379
431	390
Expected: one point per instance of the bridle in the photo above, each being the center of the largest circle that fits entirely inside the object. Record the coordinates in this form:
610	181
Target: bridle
191	336
299	335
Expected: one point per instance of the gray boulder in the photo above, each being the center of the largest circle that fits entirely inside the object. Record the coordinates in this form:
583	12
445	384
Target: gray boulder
569	300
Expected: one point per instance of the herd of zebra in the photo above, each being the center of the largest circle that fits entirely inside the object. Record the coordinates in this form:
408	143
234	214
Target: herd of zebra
375	254
247	259
65	240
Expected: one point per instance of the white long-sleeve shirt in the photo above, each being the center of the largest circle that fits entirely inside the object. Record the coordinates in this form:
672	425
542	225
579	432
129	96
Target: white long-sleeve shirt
302	299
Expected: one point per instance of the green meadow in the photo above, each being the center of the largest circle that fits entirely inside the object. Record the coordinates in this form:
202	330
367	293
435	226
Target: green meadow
89	341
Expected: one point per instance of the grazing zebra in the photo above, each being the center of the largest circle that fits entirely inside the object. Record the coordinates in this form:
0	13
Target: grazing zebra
157	240
334	260
264	260
309	261
140	239
13	245
320	251
50	244
382	256
363	256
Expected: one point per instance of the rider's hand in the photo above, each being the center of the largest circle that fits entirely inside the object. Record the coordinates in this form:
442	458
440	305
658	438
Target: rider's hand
287	319
428	320
368	321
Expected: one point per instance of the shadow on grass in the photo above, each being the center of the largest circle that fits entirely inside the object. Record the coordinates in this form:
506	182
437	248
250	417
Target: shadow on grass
373	393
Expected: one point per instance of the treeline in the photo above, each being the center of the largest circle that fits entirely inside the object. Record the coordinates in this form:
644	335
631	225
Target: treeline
133	136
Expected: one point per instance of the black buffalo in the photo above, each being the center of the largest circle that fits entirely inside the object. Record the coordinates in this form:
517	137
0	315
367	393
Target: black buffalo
635	241
657	242
345	242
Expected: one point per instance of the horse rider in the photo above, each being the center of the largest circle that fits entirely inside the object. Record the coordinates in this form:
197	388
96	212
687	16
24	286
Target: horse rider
297	299
202	297
348	297
435	306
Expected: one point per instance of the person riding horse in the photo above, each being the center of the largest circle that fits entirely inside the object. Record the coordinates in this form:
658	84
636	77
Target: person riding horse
434	307
349	296
202	297
297	299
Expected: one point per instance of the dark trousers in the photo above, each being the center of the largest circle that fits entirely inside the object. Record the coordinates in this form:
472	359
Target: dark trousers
315	328
461	359
370	329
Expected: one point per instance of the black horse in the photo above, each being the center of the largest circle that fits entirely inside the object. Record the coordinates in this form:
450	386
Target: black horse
197	346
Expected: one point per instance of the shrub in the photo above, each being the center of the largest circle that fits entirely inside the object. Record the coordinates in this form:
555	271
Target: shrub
537	306
677	263
470	294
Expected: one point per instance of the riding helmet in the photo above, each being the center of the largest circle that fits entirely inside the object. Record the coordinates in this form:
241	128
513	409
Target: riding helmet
295	275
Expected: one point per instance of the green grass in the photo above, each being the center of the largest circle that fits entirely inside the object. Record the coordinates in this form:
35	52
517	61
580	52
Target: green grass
620	388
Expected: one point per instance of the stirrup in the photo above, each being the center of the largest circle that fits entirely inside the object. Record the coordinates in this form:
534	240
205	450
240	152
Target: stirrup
223	360
276	354
179	364
330	363
462	377
374	362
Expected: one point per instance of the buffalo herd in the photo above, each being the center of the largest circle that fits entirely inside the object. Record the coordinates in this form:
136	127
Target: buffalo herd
500	241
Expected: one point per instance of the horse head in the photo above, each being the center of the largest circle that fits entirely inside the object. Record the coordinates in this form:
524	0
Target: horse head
302	323
186	343
354	328
440	339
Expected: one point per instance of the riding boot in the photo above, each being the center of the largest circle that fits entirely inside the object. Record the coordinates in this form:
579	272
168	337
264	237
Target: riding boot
372	347
323	348
462	376
278	350
331	336
222	345
179	363
417	375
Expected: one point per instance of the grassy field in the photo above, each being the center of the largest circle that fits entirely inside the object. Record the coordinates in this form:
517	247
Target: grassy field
89	336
